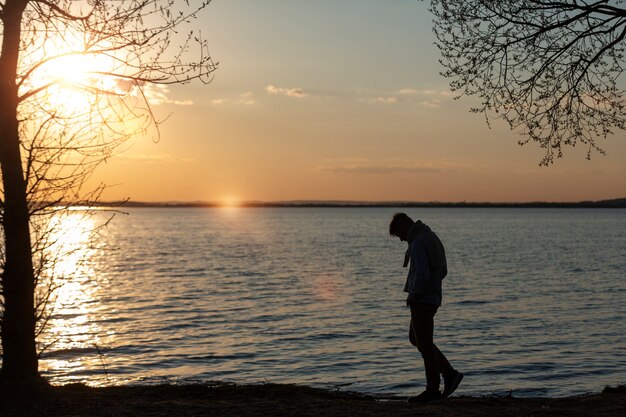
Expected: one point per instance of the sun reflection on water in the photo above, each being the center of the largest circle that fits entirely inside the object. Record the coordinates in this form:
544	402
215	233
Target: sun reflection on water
72	339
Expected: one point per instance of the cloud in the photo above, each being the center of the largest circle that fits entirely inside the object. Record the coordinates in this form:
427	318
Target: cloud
360	166
153	158
412	91
157	94
245	99
384	170
289	92
123	85
408	91
431	103
376	100
426	98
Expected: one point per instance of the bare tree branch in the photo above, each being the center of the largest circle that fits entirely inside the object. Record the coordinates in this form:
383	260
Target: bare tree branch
74	84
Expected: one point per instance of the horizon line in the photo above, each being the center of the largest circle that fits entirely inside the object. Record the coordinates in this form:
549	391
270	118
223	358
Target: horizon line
616	202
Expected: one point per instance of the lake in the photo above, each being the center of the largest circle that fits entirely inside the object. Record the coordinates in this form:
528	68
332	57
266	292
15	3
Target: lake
534	302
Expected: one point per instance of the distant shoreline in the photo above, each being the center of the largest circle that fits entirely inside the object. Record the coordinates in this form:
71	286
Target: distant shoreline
614	203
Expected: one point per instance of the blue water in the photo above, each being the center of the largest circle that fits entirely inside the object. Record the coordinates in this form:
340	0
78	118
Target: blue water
534	302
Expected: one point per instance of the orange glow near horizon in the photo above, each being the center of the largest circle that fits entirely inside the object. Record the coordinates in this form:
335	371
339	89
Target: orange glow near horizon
277	123
229	203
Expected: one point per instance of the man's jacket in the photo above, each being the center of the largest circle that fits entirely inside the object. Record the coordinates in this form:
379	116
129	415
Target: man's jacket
428	266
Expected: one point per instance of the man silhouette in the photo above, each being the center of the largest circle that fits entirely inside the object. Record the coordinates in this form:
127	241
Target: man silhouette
428	268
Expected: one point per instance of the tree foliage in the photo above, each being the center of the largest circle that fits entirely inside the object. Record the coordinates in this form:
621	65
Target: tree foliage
549	68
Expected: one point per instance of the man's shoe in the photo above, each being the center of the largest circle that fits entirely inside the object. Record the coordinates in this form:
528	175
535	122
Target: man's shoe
426	397
451	383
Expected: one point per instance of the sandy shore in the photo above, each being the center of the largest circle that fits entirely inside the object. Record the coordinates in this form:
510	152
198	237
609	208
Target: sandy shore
282	400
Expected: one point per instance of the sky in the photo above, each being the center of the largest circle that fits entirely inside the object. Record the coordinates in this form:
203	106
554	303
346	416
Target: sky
339	100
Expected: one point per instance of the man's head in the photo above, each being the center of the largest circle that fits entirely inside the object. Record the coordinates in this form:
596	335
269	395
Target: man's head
400	225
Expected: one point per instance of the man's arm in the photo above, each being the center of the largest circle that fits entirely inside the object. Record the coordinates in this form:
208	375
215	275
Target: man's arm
419	269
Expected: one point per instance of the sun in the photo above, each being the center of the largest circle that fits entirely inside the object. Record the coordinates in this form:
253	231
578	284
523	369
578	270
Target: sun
71	82
73	69
72	76
230	202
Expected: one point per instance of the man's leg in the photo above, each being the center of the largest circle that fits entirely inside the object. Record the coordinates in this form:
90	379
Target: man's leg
444	364
422	326
451	376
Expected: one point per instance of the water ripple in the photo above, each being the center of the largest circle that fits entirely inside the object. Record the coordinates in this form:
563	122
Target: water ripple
533	304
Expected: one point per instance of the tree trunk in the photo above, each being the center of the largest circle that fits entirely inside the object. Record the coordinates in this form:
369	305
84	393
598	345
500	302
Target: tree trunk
19	361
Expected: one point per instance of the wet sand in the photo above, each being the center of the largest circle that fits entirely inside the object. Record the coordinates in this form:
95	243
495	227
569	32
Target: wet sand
282	400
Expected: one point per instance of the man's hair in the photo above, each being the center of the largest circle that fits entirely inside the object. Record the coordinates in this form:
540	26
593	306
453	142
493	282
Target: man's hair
397	221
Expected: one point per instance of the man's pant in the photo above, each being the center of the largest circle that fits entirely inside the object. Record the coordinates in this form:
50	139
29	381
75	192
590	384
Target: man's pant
421	335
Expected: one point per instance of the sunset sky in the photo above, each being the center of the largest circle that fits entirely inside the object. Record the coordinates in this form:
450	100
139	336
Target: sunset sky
339	100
